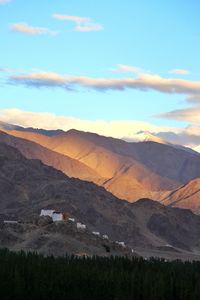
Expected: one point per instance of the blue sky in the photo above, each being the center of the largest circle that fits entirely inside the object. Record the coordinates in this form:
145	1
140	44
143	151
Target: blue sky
155	36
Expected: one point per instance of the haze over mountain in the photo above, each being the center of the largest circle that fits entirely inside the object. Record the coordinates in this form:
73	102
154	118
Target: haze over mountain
147	136
26	186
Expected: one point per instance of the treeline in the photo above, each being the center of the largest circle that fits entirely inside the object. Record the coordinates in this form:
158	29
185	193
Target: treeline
32	276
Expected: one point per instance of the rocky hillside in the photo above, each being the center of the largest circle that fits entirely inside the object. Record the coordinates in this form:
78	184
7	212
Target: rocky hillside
27	186
128	170
64	163
57	239
187	196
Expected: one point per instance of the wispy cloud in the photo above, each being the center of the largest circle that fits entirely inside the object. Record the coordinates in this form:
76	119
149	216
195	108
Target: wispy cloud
188	137
83	24
42	79
31	30
127	69
6	70
2	2
75	19
144	82
191	114
88	26
179	72
194	99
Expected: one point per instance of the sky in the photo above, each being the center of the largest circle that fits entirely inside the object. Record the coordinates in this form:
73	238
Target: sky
112	67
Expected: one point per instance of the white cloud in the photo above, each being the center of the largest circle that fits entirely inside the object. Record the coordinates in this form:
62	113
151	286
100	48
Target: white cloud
188	137
75	19
194	99
83	24
144	82
191	114
7	70
4	2
179	72
193	130
117	129
127	69
88	26
30	30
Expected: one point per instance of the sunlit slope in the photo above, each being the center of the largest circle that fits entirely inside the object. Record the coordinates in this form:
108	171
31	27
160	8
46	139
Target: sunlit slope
187	196
67	165
128	170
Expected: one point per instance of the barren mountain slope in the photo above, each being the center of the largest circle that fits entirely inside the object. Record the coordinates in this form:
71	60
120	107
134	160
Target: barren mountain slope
179	227
127	169
26	186
57	239
187	196
67	165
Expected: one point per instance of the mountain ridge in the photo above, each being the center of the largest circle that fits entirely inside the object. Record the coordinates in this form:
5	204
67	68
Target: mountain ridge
186	196
32	150
27	186
129	170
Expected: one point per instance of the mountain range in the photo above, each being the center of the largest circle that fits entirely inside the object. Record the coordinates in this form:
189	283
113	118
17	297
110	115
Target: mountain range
129	170
28	185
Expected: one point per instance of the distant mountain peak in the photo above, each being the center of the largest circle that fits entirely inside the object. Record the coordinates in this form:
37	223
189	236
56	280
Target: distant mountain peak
147	136
8	126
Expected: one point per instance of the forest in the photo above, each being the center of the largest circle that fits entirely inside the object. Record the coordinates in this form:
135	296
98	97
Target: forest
32	276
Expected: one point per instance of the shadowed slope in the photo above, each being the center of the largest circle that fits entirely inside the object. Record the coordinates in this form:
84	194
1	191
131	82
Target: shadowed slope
187	196
129	170
26	186
69	166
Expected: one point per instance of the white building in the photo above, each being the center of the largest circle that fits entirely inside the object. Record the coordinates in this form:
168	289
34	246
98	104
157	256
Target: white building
10	222
57	216
47	212
96	233
121	244
105	237
80	226
71	219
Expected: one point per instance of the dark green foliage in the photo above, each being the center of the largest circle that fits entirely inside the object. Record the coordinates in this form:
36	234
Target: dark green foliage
31	276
